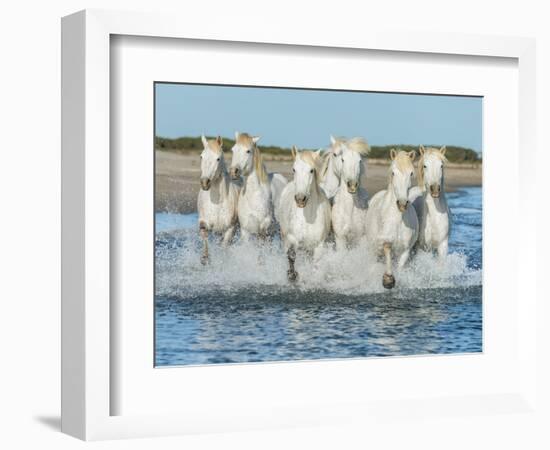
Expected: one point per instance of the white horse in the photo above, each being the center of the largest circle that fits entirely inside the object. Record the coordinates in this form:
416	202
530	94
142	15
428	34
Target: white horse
260	191
391	220
349	208
303	210
217	199
430	203
332	166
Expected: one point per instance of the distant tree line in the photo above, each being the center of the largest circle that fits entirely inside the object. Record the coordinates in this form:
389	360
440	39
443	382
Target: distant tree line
189	144
454	154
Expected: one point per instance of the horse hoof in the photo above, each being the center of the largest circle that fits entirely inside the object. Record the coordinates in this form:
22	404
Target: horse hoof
388	281
292	275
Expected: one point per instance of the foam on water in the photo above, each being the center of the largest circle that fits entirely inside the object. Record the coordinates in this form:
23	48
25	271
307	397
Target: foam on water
179	273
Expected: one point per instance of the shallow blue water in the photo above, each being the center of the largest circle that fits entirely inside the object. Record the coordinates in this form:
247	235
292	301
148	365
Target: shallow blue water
240	308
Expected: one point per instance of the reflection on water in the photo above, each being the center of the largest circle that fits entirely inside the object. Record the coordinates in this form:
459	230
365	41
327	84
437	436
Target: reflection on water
241	308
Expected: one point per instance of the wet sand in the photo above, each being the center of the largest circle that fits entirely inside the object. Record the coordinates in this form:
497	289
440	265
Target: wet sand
177	178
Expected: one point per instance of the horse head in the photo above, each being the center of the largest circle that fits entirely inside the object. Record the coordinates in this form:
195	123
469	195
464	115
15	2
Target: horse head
305	169
212	162
352	163
430	169
245	154
401	175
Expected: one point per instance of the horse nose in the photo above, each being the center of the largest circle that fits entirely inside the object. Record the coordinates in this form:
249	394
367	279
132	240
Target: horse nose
205	183
301	200
435	190
234	172
402	205
352	186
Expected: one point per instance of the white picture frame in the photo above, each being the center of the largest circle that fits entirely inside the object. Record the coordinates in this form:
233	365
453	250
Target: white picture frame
87	328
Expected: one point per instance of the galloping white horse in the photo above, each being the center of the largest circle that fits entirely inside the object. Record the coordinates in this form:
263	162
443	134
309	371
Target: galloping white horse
303	210
349	209
217	199
430	202
261	190
391	220
332	166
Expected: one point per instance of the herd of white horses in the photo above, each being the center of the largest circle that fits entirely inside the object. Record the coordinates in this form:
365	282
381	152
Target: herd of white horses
325	198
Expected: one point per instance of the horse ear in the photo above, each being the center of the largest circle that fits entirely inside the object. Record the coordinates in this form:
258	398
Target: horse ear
412	155
236	135
421	150
255	139
393	153
204	141
332	140
443	150
317	154
219	140
294	151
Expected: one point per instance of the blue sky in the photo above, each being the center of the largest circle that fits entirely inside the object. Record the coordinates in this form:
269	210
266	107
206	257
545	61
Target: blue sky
306	118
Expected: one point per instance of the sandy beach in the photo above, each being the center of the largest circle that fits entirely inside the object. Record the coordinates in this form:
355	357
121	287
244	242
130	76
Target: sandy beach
177	178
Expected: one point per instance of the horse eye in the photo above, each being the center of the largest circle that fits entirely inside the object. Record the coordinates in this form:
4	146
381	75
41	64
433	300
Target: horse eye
335	155
218	159
425	166
248	151
294	170
311	171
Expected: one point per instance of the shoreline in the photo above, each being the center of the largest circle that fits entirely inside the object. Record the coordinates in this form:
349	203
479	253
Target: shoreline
177	178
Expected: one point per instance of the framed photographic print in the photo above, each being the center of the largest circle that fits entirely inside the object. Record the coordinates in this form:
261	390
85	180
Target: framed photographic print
295	268
264	229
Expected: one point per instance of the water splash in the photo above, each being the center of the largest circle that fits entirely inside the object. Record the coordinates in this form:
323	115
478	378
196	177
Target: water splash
257	268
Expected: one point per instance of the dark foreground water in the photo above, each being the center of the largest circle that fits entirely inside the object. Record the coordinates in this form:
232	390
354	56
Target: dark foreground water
240	308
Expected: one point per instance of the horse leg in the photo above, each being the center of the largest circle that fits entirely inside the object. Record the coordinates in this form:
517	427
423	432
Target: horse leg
317	256
267	230
388	280
203	231
228	236
403	258
263	239
245	235
341	243
291	272
443	248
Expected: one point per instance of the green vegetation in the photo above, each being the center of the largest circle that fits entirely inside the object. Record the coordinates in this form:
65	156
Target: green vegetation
193	144
189	144
454	154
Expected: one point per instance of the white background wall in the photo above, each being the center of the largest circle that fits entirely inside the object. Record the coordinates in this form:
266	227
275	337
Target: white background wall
30	197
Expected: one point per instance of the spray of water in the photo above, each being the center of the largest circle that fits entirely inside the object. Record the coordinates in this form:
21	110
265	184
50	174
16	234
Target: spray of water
257	268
